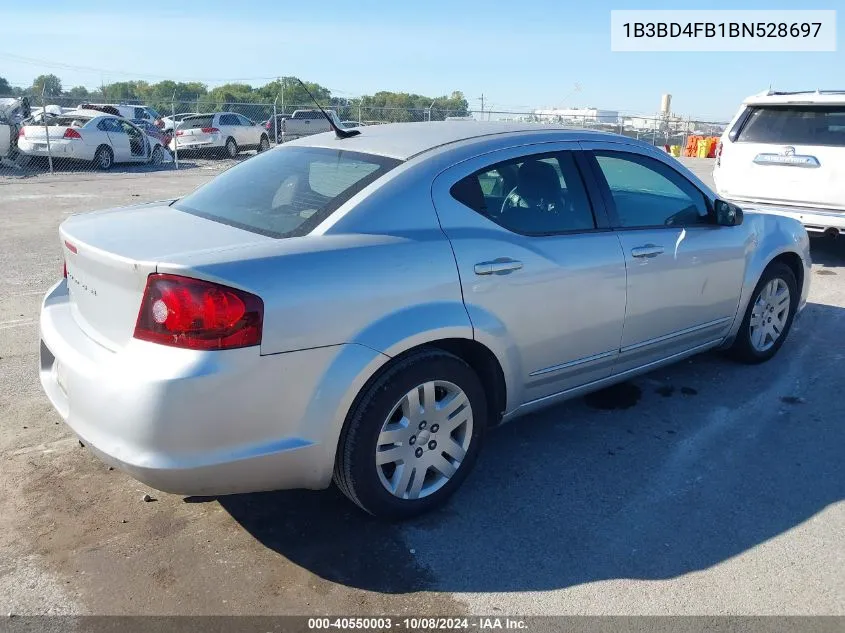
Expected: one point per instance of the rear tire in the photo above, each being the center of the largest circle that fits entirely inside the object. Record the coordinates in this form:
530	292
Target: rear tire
388	459
103	158
768	317
231	148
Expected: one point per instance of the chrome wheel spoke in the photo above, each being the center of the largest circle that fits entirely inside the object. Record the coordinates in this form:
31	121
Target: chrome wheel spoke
402	477
453	450
390	456
446	410
444	466
393	436
429	403
463	417
417	483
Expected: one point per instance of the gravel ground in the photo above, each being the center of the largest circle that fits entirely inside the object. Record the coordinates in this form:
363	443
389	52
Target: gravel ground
706	487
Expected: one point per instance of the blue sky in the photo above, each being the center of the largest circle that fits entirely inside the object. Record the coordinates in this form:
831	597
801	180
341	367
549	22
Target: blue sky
519	55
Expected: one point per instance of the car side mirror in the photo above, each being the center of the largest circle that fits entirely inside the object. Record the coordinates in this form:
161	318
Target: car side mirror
727	214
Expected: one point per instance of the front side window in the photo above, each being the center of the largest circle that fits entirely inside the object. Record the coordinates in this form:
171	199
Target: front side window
532	195
795	125
647	193
228	119
286	192
243	120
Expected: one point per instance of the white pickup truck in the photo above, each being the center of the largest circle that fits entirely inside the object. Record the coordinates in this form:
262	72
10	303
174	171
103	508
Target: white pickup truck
307	122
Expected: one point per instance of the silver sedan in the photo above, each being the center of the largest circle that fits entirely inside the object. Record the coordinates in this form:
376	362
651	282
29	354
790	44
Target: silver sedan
362	310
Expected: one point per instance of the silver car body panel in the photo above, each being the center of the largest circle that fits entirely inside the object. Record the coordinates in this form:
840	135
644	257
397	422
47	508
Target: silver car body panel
390	270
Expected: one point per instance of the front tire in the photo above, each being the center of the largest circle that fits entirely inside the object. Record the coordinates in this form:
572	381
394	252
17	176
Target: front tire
264	144
768	317
156	158
413	435
104	158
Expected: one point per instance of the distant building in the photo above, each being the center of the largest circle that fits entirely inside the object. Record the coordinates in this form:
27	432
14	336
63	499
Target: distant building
580	116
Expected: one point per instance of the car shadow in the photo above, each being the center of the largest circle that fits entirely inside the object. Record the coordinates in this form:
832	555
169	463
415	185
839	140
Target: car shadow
828	253
672	473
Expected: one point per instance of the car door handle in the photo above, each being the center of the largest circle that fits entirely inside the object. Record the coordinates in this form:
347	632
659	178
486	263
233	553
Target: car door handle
497	266
649	250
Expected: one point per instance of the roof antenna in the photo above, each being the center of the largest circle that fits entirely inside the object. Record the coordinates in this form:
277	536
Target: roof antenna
338	132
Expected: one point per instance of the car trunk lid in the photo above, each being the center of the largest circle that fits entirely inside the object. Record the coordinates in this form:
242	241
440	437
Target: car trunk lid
108	256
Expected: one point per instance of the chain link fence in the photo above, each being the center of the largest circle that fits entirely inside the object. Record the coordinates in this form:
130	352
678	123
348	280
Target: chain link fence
42	136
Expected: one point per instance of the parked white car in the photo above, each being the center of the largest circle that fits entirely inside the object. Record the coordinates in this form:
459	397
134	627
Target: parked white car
169	123
225	131
127	111
784	153
89	135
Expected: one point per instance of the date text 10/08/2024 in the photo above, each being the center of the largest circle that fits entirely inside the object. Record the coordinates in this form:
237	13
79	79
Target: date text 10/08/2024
421	623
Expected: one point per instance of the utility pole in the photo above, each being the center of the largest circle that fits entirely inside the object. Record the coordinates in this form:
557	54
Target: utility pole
481	98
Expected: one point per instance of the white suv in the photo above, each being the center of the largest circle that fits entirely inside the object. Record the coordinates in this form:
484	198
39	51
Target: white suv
784	153
225	131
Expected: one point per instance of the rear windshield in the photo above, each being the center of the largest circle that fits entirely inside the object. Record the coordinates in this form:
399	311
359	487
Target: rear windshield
197	121
795	125
67	121
286	192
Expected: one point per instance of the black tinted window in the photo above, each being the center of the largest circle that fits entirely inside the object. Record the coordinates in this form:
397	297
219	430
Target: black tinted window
646	192
286	192
196	122
533	195
796	125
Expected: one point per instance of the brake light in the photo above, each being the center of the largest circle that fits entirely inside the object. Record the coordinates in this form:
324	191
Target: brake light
195	314
72	134
64	269
21	133
210	130
179	132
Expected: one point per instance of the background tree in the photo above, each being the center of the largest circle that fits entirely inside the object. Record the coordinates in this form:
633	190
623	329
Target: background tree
49	84
5	87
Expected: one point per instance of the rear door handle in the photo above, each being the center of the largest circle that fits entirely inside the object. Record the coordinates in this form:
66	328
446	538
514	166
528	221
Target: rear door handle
649	250
497	266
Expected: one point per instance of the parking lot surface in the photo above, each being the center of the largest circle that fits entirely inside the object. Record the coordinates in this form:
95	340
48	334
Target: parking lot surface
703	488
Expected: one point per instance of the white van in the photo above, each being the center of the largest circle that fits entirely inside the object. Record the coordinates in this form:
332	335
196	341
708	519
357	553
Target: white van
784	153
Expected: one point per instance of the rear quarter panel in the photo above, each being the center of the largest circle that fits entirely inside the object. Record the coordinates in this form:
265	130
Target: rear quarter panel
379	272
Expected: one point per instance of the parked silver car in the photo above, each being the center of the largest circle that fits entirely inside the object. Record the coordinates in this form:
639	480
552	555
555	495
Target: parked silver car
362	310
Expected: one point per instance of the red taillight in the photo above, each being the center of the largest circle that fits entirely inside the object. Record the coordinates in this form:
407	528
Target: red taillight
71	133
179	132
210	130
64	269
196	314
21	133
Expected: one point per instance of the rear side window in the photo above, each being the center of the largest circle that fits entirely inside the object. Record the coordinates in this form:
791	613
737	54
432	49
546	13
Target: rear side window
532	195
229	119
286	192
795	125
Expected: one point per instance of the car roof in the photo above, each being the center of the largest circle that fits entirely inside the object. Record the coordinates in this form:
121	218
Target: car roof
820	97
406	140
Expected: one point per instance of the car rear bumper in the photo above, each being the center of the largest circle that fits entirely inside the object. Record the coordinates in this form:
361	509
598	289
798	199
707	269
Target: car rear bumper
59	148
193	422
817	221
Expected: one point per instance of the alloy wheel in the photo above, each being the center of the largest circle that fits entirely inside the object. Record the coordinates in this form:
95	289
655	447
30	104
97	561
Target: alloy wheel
424	440
769	315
